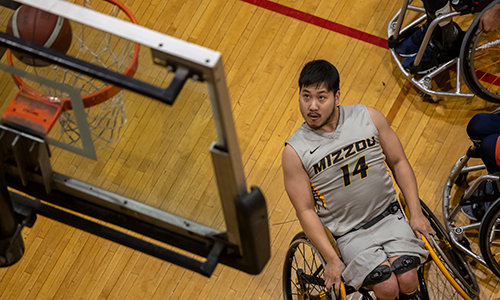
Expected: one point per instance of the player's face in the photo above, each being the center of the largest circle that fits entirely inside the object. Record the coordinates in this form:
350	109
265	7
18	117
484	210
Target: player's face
319	107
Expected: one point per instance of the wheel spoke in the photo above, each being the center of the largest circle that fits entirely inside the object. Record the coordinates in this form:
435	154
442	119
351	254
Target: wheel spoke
304	274
440	287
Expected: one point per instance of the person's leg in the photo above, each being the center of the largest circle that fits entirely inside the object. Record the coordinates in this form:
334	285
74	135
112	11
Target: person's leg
432	7
388	289
397	276
365	261
443	46
490	152
405	251
445	33
407	282
366	251
483	125
407	279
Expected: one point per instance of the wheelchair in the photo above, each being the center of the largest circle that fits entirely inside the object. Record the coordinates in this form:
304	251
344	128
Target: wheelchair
483	232
445	273
477	63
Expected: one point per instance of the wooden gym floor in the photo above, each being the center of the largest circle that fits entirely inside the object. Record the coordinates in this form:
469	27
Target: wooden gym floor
162	157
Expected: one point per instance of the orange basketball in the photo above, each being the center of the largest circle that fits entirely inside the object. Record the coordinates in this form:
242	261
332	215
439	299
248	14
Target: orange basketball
42	28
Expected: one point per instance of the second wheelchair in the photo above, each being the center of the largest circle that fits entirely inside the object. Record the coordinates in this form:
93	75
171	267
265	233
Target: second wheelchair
478	62
481	197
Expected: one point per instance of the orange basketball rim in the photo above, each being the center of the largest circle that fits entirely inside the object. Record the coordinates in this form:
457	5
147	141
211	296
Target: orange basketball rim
35	110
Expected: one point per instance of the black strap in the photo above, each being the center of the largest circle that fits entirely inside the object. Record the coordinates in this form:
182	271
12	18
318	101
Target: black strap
390	210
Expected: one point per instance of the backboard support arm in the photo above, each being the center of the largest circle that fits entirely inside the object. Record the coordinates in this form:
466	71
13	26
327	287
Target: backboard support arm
210	251
78	197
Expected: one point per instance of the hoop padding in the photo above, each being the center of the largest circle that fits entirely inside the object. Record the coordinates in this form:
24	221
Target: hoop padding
109	116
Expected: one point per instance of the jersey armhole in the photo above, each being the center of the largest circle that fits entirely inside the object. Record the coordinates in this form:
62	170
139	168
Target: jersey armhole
296	152
375	130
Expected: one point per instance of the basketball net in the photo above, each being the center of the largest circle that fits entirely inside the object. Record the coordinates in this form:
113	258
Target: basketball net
103	102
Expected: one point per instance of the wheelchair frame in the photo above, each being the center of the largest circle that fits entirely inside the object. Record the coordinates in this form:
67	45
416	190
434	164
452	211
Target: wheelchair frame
464	62
465	68
311	286
486	227
396	35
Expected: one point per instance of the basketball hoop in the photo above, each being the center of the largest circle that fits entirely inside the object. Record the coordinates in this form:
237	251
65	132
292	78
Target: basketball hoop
37	106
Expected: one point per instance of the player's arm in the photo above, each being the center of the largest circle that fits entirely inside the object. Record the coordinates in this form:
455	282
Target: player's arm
298	188
402	171
490	20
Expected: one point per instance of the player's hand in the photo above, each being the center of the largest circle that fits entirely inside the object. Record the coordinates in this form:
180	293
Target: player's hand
421	225
490	20
333	274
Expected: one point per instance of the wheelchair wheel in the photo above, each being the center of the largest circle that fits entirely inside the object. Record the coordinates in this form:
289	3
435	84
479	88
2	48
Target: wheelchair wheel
489	238
479	58
450	276
303	273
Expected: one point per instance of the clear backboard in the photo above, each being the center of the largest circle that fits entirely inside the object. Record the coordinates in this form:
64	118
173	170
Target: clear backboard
130	136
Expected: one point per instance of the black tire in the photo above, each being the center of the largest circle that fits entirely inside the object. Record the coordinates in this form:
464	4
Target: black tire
489	238
477	59
456	266
422	284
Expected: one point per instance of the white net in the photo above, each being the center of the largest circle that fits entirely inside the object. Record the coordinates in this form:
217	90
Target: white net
105	110
105	121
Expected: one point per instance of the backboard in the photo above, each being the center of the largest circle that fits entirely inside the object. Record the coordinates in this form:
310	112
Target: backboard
141	140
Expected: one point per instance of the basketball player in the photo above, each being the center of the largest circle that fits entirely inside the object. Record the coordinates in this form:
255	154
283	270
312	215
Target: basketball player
339	154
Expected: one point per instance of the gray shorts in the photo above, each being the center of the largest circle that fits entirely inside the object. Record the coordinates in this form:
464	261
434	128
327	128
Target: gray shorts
365	249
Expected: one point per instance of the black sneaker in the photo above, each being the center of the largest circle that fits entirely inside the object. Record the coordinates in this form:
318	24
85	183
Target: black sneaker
480	201
409	47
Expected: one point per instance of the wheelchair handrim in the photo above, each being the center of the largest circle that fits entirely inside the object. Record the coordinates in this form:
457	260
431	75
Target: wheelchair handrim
444	270
287	287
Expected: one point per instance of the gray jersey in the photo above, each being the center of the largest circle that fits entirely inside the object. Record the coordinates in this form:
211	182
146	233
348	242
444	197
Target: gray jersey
349	179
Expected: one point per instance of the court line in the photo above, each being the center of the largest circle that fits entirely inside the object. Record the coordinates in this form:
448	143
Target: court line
335	27
344	30
323	23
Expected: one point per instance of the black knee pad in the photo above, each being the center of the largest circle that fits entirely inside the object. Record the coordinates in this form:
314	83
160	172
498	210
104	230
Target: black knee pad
405	263
378	275
410	296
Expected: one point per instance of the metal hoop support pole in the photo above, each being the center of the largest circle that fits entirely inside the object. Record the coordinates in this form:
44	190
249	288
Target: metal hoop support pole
11	241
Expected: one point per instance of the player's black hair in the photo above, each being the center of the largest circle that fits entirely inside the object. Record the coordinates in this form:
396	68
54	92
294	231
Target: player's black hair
317	72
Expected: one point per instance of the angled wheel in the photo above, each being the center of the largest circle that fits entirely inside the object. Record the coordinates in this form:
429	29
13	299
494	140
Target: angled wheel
489	238
480	61
449	276
303	273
